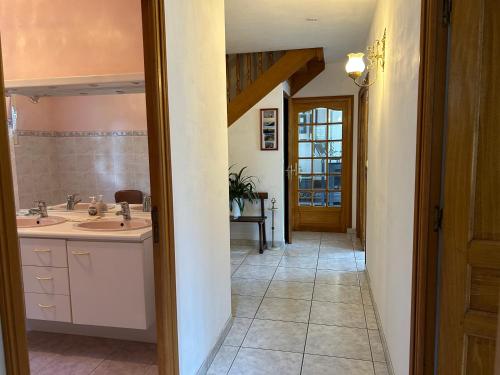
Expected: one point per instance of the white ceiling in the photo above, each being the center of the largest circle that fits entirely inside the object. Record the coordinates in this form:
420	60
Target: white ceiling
342	26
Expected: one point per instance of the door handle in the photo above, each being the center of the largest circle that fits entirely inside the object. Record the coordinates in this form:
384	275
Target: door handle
80	253
292	170
44	278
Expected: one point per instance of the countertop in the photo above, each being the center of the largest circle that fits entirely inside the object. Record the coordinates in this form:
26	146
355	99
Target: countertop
68	231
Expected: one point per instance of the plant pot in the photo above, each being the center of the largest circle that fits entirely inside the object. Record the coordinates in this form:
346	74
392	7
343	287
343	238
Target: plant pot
235	208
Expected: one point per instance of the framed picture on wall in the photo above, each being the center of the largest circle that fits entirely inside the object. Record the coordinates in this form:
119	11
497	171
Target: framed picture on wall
269	129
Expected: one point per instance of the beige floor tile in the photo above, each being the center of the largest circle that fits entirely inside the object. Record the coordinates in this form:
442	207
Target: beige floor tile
306	235
255	272
245	306
299	262
337	293
112	367
249	287
223	360
234	267
360	264
339	314
319	365
266	362
238	331
376	345
344	244
302	252
371	320
326	236
335	252
289	310
337	264
338	342
298	242
337	277
276	335
367	299
290	289
262	260
302	275
381	369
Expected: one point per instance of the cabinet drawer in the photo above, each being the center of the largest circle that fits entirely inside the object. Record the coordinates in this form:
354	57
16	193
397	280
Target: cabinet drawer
43	252
48	307
48	280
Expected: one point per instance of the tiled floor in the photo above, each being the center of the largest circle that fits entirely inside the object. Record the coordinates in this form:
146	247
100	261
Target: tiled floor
57	354
305	309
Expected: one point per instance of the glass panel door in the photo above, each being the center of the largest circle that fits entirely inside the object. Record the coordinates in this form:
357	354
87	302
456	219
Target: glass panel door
320	157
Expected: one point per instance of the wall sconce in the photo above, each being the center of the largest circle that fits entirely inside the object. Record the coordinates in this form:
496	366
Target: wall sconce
356	66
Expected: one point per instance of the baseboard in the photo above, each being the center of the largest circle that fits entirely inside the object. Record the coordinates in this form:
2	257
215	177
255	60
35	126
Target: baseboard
208	361
390	368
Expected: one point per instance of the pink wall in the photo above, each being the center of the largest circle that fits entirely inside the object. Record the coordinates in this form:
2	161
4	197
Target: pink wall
83	113
58	38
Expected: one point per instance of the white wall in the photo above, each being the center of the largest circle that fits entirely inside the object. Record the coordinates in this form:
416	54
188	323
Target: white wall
391	173
244	150
333	81
198	127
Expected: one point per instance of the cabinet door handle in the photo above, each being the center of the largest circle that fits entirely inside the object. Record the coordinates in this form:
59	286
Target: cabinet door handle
42	250
46	306
80	253
44	278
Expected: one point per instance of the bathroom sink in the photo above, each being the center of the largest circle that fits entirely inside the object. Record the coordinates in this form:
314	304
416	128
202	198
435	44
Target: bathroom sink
78	207
114	225
32	222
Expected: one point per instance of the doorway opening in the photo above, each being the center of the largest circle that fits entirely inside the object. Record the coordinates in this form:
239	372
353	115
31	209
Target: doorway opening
63	278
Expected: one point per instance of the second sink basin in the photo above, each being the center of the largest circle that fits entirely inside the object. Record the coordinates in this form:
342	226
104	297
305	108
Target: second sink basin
32	222
114	225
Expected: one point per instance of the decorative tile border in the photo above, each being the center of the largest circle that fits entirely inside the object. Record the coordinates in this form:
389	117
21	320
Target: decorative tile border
114	133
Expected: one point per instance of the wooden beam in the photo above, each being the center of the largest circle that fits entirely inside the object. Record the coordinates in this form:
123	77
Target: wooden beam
302	78
280	71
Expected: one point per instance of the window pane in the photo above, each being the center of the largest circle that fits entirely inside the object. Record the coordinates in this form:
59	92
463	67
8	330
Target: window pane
320	132
305	133
305	198
334	166
334	182
320	199
335	132
319	149
335	149
304	150
304	165
334	116
305	181
320	115
319	182
334	199
319	166
305	117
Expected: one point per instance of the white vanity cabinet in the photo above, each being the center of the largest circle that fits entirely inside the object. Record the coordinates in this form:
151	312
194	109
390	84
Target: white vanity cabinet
111	283
108	283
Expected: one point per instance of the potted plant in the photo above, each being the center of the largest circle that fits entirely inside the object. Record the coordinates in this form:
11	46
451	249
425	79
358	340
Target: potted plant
240	188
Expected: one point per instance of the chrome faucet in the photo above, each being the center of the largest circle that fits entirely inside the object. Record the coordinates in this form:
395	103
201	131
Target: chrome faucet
41	209
146	203
71	202
125	211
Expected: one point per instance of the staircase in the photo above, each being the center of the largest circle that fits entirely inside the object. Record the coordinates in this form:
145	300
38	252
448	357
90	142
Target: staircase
251	76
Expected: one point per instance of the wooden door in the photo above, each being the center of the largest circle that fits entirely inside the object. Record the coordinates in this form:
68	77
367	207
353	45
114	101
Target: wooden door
323	156
470	276
362	165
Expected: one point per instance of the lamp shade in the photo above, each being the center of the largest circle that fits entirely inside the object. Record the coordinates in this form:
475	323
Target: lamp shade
355	65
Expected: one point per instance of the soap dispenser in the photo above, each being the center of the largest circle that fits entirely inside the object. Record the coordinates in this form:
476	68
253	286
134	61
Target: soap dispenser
101	206
92	207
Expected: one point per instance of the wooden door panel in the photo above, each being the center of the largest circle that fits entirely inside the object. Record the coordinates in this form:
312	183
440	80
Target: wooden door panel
336	167
471	224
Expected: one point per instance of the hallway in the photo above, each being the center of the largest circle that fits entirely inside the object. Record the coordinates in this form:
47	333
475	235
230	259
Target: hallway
305	309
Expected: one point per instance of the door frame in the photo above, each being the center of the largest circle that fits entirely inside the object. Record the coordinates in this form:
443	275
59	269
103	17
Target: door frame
362	150
430	132
12	312
346	160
